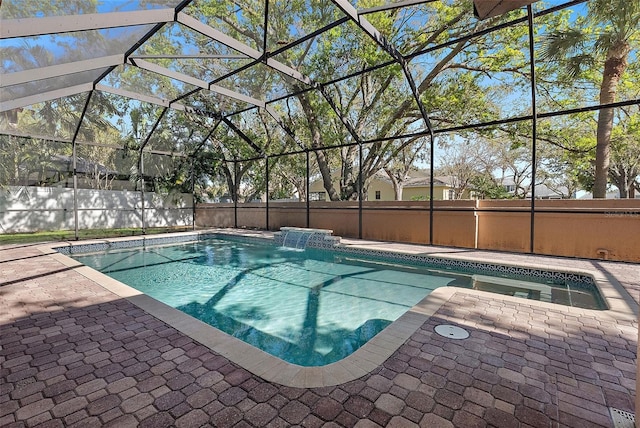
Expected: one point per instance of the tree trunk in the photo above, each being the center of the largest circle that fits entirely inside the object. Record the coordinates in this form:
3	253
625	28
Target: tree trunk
348	178
325	171
397	191
623	185
316	144
631	182
301	188
397	186
614	67
228	175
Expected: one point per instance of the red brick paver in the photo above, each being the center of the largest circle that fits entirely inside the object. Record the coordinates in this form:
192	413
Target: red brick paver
73	354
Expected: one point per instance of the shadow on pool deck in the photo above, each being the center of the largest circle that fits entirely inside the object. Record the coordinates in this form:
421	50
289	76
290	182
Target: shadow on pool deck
77	355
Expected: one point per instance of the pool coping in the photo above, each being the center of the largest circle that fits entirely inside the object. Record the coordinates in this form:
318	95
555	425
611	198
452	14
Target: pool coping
368	357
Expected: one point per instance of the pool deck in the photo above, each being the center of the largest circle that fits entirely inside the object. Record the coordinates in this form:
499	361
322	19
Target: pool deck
79	350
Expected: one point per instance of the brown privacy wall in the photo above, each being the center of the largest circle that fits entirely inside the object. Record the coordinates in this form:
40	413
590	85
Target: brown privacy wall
396	221
595	229
504	225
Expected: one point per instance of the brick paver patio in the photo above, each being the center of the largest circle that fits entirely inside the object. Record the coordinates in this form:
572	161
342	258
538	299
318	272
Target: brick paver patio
74	354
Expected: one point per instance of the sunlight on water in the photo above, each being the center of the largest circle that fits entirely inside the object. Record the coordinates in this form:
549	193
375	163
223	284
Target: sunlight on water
306	307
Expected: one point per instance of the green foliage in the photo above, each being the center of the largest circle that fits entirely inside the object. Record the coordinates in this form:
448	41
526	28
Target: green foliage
32	161
594	51
29	9
625	152
420	198
68	235
486	187
471	81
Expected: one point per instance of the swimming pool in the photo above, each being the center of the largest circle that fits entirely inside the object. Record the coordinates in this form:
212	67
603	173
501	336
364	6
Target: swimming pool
310	307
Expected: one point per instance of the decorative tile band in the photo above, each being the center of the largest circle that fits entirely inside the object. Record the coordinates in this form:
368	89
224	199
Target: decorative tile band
70	249
235	238
473	267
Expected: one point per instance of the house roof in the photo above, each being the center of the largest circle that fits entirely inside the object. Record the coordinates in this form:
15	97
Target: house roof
83	166
439	180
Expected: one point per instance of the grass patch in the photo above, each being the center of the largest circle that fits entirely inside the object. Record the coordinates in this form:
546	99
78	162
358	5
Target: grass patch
68	235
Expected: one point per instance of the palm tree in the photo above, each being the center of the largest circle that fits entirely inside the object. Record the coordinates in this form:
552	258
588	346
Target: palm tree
605	37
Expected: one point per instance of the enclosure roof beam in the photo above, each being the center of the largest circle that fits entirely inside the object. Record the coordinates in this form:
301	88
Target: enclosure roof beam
235	95
242	135
193	56
15	133
45	96
219	36
204	140
153	100
484	9
195	82
132	95
155	68
153	129
364	24
87	143
373	32
309	36
29	27
408	57
389	6
59	70
274	114
139	43
214	34
285	69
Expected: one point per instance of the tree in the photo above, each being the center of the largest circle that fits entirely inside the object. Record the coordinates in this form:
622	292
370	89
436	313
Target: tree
379	104
30	9
288	177
604	37
461	161
485	186
625	152
402	163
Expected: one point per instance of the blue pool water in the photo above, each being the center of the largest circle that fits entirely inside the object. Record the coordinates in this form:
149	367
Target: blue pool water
308	307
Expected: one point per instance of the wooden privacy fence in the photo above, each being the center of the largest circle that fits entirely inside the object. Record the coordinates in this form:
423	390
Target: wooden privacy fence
595	229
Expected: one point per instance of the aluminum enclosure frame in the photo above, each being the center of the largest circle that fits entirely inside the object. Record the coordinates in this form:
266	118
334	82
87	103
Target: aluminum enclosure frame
160	17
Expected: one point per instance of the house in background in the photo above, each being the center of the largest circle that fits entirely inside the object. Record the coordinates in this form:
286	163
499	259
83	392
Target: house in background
418	186
615	194
444	189
380	188
543	191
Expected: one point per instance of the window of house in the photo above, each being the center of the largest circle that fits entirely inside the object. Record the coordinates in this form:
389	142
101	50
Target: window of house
377	195
452	194
318	196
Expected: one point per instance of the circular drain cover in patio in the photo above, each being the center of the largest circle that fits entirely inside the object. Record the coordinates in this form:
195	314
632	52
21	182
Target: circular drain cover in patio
451	331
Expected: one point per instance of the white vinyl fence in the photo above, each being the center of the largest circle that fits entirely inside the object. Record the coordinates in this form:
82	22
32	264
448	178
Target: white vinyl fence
31	209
